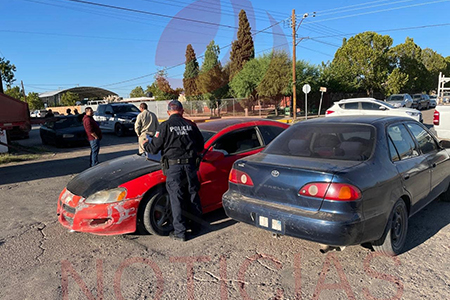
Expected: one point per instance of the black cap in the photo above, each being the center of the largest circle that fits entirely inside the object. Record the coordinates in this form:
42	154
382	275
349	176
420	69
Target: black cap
175	105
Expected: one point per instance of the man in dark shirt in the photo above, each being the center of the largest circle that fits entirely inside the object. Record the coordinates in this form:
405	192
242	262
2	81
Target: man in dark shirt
49	114
94	135
180	143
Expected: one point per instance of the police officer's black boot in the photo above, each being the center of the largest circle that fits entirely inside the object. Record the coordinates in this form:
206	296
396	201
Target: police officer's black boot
173	236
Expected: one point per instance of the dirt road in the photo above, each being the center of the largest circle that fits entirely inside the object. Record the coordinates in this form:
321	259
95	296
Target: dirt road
42	260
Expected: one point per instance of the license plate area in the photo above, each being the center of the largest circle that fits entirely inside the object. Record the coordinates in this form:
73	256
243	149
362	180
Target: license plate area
270	224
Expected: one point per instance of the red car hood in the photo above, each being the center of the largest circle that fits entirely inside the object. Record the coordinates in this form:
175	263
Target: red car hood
111	174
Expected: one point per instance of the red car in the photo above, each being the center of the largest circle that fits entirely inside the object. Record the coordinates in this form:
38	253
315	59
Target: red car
129	193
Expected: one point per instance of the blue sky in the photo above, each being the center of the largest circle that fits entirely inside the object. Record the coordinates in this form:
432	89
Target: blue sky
60	43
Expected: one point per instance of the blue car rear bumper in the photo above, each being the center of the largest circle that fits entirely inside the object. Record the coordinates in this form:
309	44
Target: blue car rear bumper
316	226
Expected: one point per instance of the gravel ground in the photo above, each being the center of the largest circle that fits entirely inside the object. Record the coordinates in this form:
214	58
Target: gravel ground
42	260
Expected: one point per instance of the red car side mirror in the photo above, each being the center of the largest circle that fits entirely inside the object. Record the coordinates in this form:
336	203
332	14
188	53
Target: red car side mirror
212	156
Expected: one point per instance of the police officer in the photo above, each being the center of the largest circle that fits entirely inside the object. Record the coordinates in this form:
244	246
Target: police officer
180	142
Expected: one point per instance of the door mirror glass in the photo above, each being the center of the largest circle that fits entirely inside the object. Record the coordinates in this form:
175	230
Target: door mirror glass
444	144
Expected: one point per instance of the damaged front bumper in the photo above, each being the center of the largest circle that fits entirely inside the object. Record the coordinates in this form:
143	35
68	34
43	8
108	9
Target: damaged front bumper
102	219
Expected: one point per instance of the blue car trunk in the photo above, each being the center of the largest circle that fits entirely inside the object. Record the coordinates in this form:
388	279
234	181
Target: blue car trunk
278	179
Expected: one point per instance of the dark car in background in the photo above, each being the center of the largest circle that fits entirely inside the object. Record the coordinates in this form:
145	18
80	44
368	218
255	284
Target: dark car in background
421	101
341	181
63	131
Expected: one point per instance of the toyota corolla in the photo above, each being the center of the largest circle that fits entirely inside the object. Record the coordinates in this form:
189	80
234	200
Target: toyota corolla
341	181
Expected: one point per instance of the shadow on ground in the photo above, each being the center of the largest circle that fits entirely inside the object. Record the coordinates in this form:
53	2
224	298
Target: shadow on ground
52	168
427	223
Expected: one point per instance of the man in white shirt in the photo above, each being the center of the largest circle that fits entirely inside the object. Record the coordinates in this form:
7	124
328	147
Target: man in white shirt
146	123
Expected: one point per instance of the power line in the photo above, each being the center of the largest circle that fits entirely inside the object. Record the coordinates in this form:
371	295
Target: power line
231	6
150	13
204	8
348	6
365	7
378	11
117	16
86	36
385	30
180	64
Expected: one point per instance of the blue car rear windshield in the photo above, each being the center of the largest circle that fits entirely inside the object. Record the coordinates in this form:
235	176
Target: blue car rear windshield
62	123
328	141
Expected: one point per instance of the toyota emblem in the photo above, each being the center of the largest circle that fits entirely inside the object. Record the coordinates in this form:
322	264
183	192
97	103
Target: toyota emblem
275	173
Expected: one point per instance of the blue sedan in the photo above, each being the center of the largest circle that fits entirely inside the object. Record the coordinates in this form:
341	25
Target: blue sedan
342	181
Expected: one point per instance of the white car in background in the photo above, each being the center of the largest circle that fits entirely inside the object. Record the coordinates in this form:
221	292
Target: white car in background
370	106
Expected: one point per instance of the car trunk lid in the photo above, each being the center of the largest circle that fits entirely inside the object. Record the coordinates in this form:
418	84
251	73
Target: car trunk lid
278	179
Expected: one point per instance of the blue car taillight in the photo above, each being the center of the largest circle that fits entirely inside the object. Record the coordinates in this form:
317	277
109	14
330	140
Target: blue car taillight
331	191
240	177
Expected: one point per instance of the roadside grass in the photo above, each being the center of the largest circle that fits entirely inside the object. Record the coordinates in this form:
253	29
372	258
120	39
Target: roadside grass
20	153
10	157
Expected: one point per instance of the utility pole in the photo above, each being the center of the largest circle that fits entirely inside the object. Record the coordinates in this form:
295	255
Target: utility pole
294	83
295	28
1	82
23	90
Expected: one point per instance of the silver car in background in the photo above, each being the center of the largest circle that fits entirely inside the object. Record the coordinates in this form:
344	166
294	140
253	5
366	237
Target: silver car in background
400	100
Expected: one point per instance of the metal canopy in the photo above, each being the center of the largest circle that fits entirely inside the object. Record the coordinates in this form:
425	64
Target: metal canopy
83	92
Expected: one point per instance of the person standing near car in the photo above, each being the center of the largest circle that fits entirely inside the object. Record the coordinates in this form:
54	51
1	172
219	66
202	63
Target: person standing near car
180	143
146	124
49	114
94	135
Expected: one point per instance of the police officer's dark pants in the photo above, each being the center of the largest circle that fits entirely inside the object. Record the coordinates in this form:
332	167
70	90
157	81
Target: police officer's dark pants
183	185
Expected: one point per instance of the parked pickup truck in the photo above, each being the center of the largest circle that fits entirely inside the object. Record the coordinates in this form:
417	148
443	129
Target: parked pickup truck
441	121
116	117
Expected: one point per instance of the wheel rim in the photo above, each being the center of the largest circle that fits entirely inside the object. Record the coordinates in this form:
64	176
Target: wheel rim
398	229
162	214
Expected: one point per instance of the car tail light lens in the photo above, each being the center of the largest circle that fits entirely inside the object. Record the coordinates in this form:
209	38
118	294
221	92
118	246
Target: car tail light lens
329	112
331	191
436	117
240	177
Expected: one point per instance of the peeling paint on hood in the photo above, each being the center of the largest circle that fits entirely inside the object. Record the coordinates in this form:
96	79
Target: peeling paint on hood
111	174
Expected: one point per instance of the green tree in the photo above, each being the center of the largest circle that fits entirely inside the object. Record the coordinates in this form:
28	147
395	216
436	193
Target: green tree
34	102
211	79
69	99
161	88
276	79
7	72
305	73
244	84
447	71
243	49
362	62
137	92
433	63
396	82
408	58
14	92
191	73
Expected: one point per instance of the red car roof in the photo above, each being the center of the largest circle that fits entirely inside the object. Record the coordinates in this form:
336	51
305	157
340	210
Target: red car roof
218	125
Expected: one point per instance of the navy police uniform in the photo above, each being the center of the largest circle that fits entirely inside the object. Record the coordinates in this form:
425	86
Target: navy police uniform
180	142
